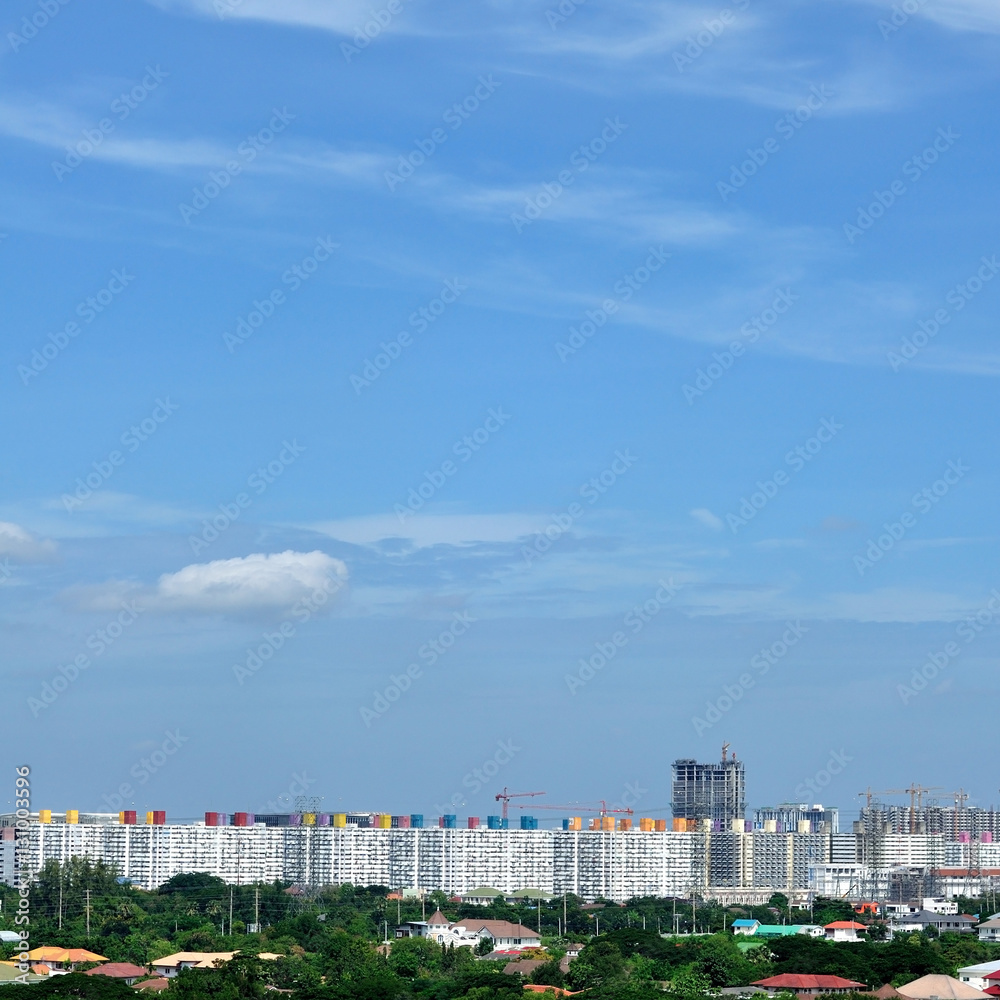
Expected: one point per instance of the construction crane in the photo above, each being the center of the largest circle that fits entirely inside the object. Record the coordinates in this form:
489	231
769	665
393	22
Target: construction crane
961	797
916	793
604	810
506	796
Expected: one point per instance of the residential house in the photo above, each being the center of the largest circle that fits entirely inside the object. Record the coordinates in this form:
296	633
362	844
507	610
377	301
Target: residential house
974	975
940	988
170	965
745	926
59	961
805	985
844	930
470	931
989	930
943	923
125	971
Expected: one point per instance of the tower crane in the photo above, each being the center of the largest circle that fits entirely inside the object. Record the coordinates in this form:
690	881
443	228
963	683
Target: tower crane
506	796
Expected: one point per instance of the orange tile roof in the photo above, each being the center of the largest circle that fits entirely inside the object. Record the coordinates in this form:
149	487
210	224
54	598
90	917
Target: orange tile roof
51	954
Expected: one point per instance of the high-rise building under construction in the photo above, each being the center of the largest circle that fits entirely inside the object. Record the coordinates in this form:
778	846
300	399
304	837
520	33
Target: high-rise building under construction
715	792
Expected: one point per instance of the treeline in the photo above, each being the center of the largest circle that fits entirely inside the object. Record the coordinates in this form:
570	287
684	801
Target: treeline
332	942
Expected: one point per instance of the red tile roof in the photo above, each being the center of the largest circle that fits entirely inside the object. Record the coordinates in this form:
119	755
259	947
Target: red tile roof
845	925
794	981
119	970
152	985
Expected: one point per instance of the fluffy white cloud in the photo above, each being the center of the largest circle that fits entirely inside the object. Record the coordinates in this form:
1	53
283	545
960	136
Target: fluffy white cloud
255	581
22	546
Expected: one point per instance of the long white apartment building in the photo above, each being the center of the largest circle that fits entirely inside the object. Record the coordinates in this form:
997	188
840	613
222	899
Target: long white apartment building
612	864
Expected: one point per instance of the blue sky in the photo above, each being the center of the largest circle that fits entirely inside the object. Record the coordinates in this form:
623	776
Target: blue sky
418	345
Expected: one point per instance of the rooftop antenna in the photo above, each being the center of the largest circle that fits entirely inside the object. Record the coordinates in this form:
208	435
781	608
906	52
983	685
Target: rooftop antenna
725	751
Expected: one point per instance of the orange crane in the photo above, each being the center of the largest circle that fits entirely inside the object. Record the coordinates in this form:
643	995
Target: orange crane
604	810
506	796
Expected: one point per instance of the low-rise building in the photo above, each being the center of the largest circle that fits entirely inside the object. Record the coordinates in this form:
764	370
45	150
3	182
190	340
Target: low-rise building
938	987
125	971
974	975
803	985
844	930
470	931
59	961
170	965
943	923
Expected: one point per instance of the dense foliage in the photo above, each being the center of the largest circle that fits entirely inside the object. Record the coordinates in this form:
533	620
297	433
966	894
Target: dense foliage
333	942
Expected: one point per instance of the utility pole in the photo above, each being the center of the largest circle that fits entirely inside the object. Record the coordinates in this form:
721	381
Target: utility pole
60	899
256	908
88	913
230	911
565	894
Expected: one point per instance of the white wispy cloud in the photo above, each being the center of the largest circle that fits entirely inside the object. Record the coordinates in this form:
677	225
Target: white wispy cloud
704	516
21	545
959	15
424	530
57	127
339	16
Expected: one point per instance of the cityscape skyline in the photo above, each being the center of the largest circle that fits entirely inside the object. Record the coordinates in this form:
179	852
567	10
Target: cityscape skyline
423	399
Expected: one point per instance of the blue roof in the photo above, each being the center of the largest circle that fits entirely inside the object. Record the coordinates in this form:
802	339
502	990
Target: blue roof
745	923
